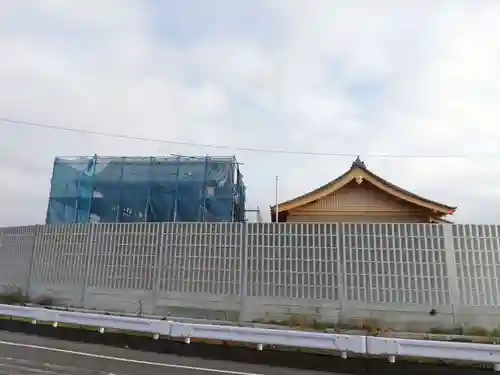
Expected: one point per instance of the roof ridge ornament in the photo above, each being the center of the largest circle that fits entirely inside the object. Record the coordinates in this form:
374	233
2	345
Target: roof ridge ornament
358	163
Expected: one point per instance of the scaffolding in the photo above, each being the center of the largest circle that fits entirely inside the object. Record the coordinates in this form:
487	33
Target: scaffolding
146	189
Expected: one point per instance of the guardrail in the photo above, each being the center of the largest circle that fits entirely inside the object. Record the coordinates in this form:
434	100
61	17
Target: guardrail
147	316
169	317
344	344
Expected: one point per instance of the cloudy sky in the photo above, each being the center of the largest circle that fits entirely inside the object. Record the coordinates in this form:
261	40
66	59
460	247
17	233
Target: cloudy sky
416	80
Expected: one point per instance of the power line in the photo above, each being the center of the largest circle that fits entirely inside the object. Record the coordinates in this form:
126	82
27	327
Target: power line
220	146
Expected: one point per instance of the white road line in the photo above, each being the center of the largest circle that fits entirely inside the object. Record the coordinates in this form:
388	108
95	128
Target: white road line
127	360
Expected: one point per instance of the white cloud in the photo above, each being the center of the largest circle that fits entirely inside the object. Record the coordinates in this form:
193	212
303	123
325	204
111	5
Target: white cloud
413	78
438	68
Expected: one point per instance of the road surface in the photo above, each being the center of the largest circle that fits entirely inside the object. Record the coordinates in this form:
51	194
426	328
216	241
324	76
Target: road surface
30	355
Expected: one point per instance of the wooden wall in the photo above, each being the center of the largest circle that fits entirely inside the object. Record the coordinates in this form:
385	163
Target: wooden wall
356	203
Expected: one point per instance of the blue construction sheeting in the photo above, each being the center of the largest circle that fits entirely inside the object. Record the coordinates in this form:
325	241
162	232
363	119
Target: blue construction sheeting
146	189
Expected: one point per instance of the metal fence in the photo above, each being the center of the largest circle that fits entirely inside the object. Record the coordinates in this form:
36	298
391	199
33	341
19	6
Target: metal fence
330	272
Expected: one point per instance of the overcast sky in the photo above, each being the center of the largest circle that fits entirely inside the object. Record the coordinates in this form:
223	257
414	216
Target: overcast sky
368	77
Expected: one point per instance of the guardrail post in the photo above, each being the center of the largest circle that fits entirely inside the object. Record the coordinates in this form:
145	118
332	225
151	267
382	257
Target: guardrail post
244	271
451	267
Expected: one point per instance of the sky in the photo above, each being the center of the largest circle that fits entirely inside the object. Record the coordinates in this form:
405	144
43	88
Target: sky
413	87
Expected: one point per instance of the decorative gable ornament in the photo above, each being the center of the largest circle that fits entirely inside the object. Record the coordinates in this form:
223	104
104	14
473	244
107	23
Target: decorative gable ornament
359	179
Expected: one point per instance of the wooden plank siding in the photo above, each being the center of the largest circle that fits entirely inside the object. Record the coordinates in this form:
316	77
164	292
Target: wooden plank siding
356	203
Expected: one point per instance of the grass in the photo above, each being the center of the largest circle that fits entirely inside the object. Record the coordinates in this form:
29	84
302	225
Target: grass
12	294
377	328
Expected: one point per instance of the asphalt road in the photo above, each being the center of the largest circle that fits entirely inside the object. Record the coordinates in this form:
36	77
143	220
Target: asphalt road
29	355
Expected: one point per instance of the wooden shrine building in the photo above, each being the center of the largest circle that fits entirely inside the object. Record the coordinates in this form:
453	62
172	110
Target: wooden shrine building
359	195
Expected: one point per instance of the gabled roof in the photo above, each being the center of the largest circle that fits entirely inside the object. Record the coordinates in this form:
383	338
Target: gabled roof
359	170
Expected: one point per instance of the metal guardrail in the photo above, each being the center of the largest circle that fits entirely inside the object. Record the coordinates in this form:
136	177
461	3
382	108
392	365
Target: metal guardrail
434	349
344	344
169	317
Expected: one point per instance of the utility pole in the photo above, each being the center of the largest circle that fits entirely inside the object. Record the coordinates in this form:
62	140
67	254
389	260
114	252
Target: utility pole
277	204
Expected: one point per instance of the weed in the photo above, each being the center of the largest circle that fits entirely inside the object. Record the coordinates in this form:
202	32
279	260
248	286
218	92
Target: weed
13	295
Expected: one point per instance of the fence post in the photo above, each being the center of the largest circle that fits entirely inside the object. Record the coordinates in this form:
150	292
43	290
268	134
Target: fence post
88	252
160	250
244	270
342	287
1	250
32	258
451	267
